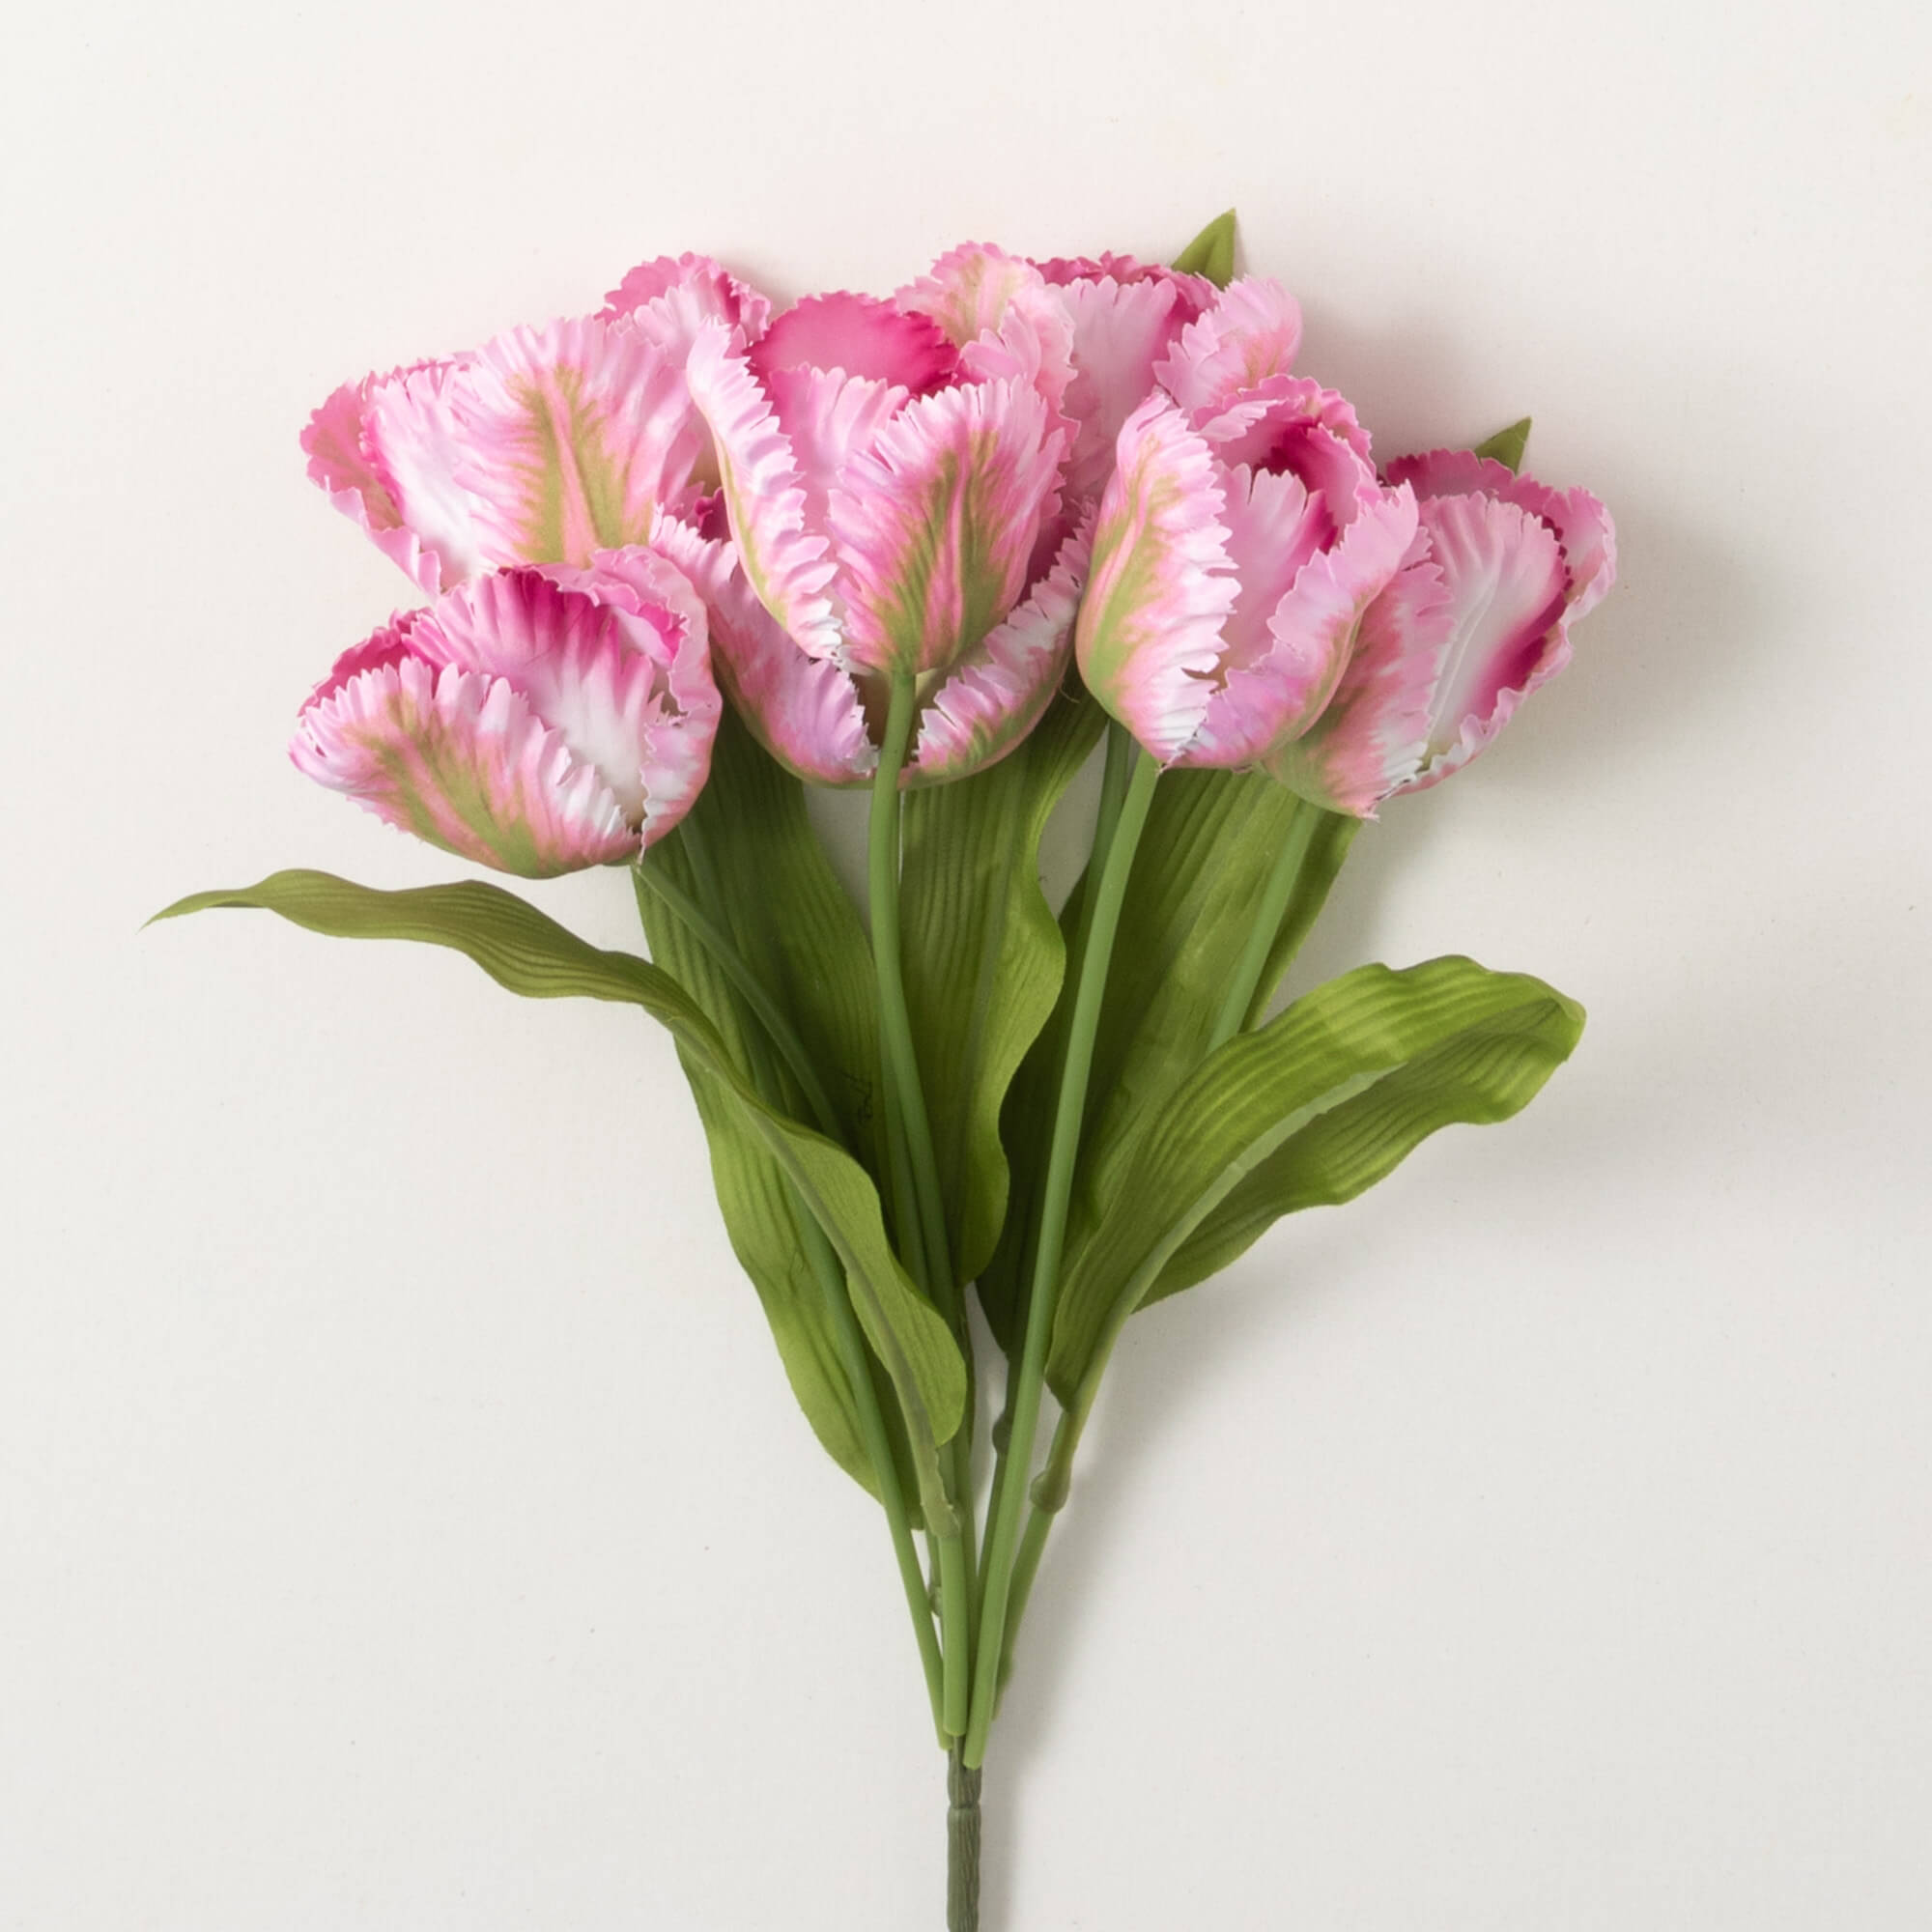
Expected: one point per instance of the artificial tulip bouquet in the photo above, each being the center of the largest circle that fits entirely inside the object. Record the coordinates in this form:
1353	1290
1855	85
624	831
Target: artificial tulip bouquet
688	554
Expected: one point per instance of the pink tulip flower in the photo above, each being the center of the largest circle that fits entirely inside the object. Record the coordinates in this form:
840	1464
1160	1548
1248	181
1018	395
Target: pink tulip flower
536	720
1477	618
545	445
892	484
1241	539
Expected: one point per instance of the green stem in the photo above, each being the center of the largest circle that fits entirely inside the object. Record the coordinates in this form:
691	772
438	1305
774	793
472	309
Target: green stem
1045	1496
1048	1491
925	1236
1261	934
751	990
1108	897
895	1021
1114	774
818	1251
962	1845
878	1447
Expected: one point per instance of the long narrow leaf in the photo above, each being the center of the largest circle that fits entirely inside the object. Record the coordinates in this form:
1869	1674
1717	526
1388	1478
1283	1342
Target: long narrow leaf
532	954
983	956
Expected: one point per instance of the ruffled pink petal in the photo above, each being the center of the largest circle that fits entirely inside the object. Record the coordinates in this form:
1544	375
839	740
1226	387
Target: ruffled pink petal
1275	526
670	298
460	758
661	614
1582	524
1121	330
1193	294
827	417
781	553
400	481
1313	633
968	289
1504	573
997	693
1251	333
936	524
1260	424
1371	740
1005	320
857	335
1161	586
573	437
389	645
804	710
592	657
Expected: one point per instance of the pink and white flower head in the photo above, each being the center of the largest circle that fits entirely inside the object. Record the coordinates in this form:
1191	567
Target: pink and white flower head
543	446
1243	538
892	480
1476	619
536	720
1128	318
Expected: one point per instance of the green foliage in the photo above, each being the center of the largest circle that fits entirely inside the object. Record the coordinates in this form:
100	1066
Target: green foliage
532	954
1507	446
1206	850
1315	1106
793	925
1211	252
983	956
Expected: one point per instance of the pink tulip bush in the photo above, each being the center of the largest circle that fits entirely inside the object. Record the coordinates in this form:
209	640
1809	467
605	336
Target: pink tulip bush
699	550
891	479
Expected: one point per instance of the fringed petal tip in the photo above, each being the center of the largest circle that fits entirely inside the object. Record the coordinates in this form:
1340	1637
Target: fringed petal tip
968	288
1161	586
670	296
997	693
805	711
857	335
1193	294
1581	522
1467	631
764	495
937	521
572	436
460	759
344	464
1313	634
1121	331
1252	426
1252	333
1371	740
537	721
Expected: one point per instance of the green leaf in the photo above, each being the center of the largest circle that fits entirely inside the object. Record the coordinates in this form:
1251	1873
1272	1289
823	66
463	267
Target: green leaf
1204	855
790	919
1211	252
983	956
1317	1105
532	954
793	923
1334	834
1506	445
1209	843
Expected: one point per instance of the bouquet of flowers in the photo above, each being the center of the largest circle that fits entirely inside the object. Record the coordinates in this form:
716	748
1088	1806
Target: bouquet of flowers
691	554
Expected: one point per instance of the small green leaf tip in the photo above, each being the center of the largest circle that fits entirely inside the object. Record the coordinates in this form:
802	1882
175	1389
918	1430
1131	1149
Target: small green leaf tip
1211	252
1506	445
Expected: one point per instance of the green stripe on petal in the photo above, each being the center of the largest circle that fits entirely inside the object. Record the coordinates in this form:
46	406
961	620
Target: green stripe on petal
936	524
574	435
1161	584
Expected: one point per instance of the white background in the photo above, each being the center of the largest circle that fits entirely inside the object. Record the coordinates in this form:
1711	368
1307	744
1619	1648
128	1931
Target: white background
404	1523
